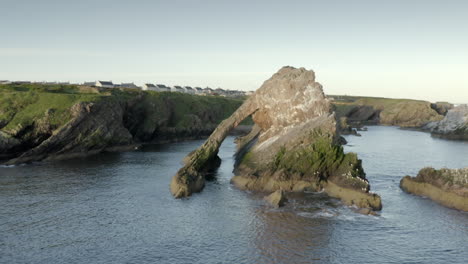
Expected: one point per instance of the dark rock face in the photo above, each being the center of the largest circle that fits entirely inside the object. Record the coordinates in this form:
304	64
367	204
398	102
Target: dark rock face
442	108
293	146
448	187
93	128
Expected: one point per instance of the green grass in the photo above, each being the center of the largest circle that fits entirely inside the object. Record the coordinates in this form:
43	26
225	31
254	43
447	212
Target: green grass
21	105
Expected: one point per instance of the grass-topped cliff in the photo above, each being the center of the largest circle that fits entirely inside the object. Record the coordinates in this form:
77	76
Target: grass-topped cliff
385	111
39	121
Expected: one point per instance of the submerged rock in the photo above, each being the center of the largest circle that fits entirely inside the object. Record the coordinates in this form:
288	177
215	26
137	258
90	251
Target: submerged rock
276	199
448	187
294	146
453	126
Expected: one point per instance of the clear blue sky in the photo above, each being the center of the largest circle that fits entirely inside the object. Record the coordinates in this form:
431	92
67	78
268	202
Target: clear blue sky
411	49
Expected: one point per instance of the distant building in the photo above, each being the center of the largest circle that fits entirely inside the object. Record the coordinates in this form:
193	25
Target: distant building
198	90
104	84
208	91
4	82
21	82
177	89
189	90
149	87
219	91
162	88
89	83
129	86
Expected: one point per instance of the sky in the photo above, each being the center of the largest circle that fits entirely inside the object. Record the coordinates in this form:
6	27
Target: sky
401	49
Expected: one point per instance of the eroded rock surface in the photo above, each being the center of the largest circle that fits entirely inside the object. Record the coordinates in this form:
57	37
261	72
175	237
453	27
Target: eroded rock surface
448	187
453	126
294	146
277	199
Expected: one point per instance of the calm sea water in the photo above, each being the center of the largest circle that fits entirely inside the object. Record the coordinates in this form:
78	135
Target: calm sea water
117	208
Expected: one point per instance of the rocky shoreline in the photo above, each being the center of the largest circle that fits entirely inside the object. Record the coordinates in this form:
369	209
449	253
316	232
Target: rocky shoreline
448	187
454	125
101	123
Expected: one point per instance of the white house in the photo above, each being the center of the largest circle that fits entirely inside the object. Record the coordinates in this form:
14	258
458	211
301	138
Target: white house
198	90
129	86
220	91
208	90
189	90
149	87
162	88
177	89
104	84
4	82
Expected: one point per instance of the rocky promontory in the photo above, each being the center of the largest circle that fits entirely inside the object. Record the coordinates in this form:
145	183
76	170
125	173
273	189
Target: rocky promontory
293	146
358	111
47	122
453	126
448	187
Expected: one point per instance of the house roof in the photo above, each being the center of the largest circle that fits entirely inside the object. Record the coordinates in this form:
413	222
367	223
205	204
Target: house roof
161	86
149	85
188	88
178	87
105	83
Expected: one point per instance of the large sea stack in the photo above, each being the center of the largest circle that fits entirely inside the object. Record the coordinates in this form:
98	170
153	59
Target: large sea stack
294	145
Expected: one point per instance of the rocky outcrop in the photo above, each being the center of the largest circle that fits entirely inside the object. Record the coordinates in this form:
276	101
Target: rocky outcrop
448	187
276	199
442	107
406	113
8	145
111	123
93	128
453	126
294	146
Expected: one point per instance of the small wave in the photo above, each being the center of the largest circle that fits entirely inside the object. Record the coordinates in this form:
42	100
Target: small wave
11	166
320	214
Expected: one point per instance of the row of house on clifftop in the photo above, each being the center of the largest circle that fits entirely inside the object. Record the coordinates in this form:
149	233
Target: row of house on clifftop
149	87
176	88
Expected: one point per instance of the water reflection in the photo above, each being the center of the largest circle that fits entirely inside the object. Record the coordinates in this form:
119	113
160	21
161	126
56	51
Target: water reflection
117	208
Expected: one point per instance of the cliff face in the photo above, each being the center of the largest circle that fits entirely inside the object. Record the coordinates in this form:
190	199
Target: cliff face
448	187
292	147
394	112
453	126
79	124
